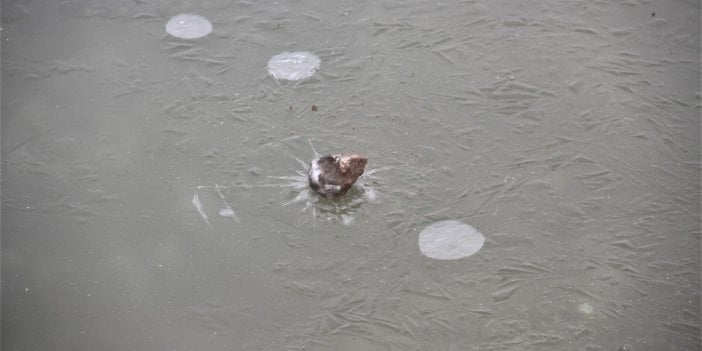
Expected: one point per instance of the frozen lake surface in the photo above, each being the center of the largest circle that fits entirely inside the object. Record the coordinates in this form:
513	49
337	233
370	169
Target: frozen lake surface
154	190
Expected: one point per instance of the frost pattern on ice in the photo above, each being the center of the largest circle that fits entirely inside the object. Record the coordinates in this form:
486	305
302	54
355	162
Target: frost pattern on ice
450	240
188	26
293	65
200	209
227	211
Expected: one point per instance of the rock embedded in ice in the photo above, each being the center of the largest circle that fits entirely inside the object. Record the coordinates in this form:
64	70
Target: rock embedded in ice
188	26
293	65
450	240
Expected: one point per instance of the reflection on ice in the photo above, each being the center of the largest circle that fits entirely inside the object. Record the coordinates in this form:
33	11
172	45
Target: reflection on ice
188	26
450	240
293	65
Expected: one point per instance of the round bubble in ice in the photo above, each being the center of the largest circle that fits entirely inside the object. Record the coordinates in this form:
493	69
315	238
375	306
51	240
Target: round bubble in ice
450	240
293	65
188	26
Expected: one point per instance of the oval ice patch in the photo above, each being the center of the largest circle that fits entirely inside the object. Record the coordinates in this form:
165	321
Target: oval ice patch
188	26
293	65
450	240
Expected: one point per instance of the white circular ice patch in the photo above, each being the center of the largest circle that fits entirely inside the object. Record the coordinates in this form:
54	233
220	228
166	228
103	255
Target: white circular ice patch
450	240
586	308
293	65
188	26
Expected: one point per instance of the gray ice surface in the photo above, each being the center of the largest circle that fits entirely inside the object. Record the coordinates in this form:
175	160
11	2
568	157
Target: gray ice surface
567	132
